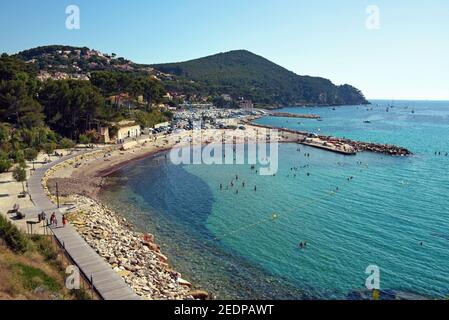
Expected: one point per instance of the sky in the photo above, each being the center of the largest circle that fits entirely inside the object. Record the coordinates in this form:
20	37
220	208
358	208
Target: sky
399	53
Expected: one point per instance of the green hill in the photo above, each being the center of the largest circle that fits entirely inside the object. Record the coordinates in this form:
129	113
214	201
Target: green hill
244	74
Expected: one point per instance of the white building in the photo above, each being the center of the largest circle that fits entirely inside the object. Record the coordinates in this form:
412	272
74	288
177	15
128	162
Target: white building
128	129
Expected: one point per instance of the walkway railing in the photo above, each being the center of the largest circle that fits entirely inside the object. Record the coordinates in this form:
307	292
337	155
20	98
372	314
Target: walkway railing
86	282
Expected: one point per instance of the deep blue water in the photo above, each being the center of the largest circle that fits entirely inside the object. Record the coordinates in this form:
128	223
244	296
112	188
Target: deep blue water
245	245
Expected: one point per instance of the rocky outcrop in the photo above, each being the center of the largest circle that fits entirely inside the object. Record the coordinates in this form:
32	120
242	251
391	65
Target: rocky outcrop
132	254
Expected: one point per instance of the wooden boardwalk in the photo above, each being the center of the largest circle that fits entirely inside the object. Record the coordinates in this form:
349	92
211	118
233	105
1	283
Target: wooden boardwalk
106	281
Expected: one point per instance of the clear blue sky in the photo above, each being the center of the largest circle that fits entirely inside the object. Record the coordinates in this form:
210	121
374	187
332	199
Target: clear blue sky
408	58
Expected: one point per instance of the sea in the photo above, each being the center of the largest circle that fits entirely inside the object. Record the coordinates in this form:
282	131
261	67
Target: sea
363	217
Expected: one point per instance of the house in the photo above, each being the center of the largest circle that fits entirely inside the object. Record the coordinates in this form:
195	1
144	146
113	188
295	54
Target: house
226	97
246	104
121	99
161	125
128	129
104	135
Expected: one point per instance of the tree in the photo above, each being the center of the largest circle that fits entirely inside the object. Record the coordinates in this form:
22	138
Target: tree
4	133
152	90
83	139
71	106
20	175
49	148
31	154
66	143
5	163
18	87
17	155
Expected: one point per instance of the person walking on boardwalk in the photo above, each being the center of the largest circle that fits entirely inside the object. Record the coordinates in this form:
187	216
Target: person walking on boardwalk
53	219
64	220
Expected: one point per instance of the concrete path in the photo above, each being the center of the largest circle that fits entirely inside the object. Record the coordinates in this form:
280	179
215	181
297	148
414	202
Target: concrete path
106	281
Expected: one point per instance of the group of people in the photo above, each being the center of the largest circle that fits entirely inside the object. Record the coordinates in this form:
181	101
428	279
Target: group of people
302	244
234	183
54	220
439	153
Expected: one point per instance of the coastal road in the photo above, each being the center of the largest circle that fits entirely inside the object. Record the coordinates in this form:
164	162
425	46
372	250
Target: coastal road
106	281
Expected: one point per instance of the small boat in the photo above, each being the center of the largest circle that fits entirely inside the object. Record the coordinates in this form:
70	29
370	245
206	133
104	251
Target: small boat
367	121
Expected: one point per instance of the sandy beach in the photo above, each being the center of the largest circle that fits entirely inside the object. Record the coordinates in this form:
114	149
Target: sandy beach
135	256
132	254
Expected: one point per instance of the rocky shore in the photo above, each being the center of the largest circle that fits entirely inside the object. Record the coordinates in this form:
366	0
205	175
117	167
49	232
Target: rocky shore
342	145
133	255
295	115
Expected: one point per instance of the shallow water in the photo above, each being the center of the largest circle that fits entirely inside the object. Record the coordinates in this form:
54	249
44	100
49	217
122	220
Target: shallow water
245	245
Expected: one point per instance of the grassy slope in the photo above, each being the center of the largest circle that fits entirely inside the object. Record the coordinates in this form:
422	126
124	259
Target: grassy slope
32	270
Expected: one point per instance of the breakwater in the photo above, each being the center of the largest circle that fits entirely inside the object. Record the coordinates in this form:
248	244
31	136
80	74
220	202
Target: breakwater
295	115
334	144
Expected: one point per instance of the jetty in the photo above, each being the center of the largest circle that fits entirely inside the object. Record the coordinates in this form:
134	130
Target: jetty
294	115
334	144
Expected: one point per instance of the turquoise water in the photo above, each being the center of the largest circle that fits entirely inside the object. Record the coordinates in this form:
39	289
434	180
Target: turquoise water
245	245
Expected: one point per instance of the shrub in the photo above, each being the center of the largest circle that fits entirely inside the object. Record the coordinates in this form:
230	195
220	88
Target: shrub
5	164
65	143
33	278
30	154
44	246
83	139
49	147
93	136
12	236
17	155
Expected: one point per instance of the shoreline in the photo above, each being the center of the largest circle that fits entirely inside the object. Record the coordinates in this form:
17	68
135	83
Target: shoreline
134	255
81	179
